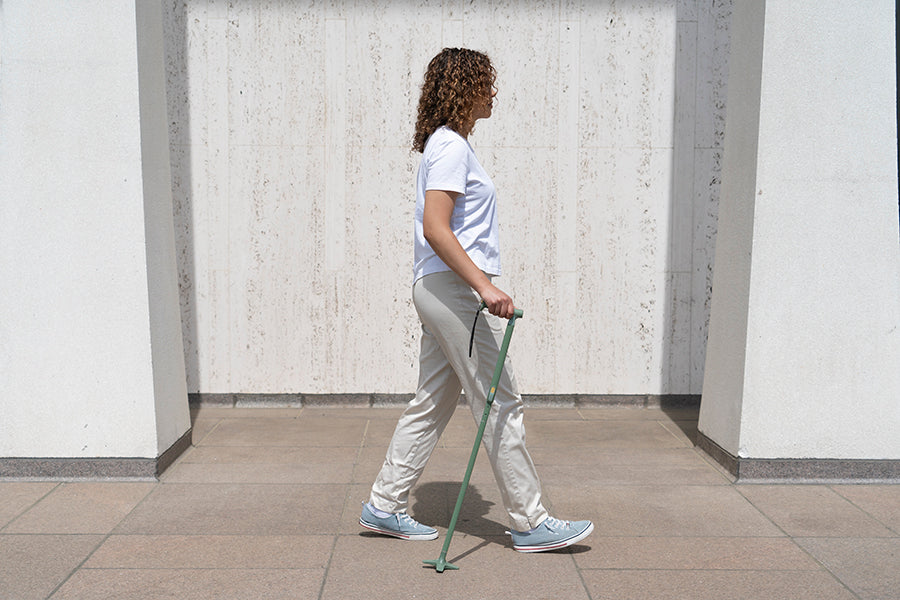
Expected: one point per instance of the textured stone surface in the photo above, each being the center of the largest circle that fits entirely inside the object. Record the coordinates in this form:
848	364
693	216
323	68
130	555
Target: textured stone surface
290	125
852	561
276	516
81	508
32	566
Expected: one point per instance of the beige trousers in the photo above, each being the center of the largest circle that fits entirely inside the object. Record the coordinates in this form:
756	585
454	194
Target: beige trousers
446	307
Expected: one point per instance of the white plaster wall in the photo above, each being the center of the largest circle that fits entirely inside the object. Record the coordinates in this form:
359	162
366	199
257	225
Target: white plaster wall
76	376
723	386
290	125
822	357
167	350
804	341
60	321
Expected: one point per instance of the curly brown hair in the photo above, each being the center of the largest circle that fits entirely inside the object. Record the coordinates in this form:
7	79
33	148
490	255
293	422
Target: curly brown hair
454	80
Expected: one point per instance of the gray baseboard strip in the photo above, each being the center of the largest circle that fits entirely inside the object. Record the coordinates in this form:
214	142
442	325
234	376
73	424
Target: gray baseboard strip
239	400
74	469
801	470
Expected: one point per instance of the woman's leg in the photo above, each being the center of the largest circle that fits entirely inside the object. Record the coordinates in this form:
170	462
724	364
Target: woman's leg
447	307
418	429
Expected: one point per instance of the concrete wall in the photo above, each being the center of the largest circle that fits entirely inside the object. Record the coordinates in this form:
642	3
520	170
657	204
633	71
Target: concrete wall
89	351
290	125
167	349
804	341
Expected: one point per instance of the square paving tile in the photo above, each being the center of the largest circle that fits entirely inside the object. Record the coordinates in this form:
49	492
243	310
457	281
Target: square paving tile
187	584
378	413
368	464
489	569
663	458
882	502
869	567
686	431
81	508
200	428
662	511
541	413
379	432
228	412
812	510
213	552
232	509
320	432
264	464
602	435
714	585
695	553
629	413
32	566
18	496
681	423
573	476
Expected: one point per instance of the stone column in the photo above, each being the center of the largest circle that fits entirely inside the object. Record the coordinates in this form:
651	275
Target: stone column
802	377
92	380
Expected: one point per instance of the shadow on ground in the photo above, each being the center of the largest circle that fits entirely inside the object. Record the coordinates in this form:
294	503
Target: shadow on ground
685	417
433	503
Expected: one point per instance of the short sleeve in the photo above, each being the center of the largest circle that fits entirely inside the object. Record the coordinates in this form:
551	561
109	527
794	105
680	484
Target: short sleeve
446	166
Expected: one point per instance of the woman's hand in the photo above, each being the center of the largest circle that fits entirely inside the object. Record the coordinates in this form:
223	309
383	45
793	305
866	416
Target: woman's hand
498	302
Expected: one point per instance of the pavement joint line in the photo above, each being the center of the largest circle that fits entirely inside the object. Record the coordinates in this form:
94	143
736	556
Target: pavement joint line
200	569
794	541
29	507
860	508
673	434
104	539
208	433
580	573
334	542
79	566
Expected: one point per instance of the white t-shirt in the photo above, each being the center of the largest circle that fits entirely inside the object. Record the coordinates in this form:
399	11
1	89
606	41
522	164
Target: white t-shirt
449	163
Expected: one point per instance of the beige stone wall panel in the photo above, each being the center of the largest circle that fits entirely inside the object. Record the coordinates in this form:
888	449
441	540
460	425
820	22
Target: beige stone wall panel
293	181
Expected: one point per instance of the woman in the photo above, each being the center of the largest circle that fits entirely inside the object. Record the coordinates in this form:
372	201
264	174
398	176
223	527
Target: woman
456	257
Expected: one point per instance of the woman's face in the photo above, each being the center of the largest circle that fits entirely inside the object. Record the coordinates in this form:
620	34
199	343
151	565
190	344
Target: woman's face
484	104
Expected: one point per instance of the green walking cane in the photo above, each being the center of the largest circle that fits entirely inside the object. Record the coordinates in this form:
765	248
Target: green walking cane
441	563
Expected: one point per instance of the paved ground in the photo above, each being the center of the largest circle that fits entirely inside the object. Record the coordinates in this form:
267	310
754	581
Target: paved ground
265	505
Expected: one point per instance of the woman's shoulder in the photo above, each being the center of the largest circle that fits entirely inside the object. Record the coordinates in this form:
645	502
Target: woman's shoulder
445	135
444	138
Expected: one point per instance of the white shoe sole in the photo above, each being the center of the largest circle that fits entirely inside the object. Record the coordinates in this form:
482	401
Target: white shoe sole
557	545
420	537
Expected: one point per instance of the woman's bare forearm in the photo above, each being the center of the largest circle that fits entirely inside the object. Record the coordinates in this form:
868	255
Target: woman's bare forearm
449	250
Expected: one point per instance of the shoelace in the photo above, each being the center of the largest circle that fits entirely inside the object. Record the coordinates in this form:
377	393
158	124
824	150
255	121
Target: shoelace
408	520
555	524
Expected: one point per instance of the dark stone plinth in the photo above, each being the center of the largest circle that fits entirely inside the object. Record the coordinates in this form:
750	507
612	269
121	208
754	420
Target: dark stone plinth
376	400
93	468
802	470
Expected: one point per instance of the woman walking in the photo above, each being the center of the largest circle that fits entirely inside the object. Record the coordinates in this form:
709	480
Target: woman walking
457	255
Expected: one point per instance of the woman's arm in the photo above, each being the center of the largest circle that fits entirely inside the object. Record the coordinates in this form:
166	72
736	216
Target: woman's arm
436	227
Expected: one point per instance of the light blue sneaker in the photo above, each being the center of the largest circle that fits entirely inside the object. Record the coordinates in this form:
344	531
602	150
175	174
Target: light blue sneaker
399	525
552	534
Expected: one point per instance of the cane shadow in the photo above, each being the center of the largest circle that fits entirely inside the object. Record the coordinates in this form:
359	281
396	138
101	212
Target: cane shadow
434	502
